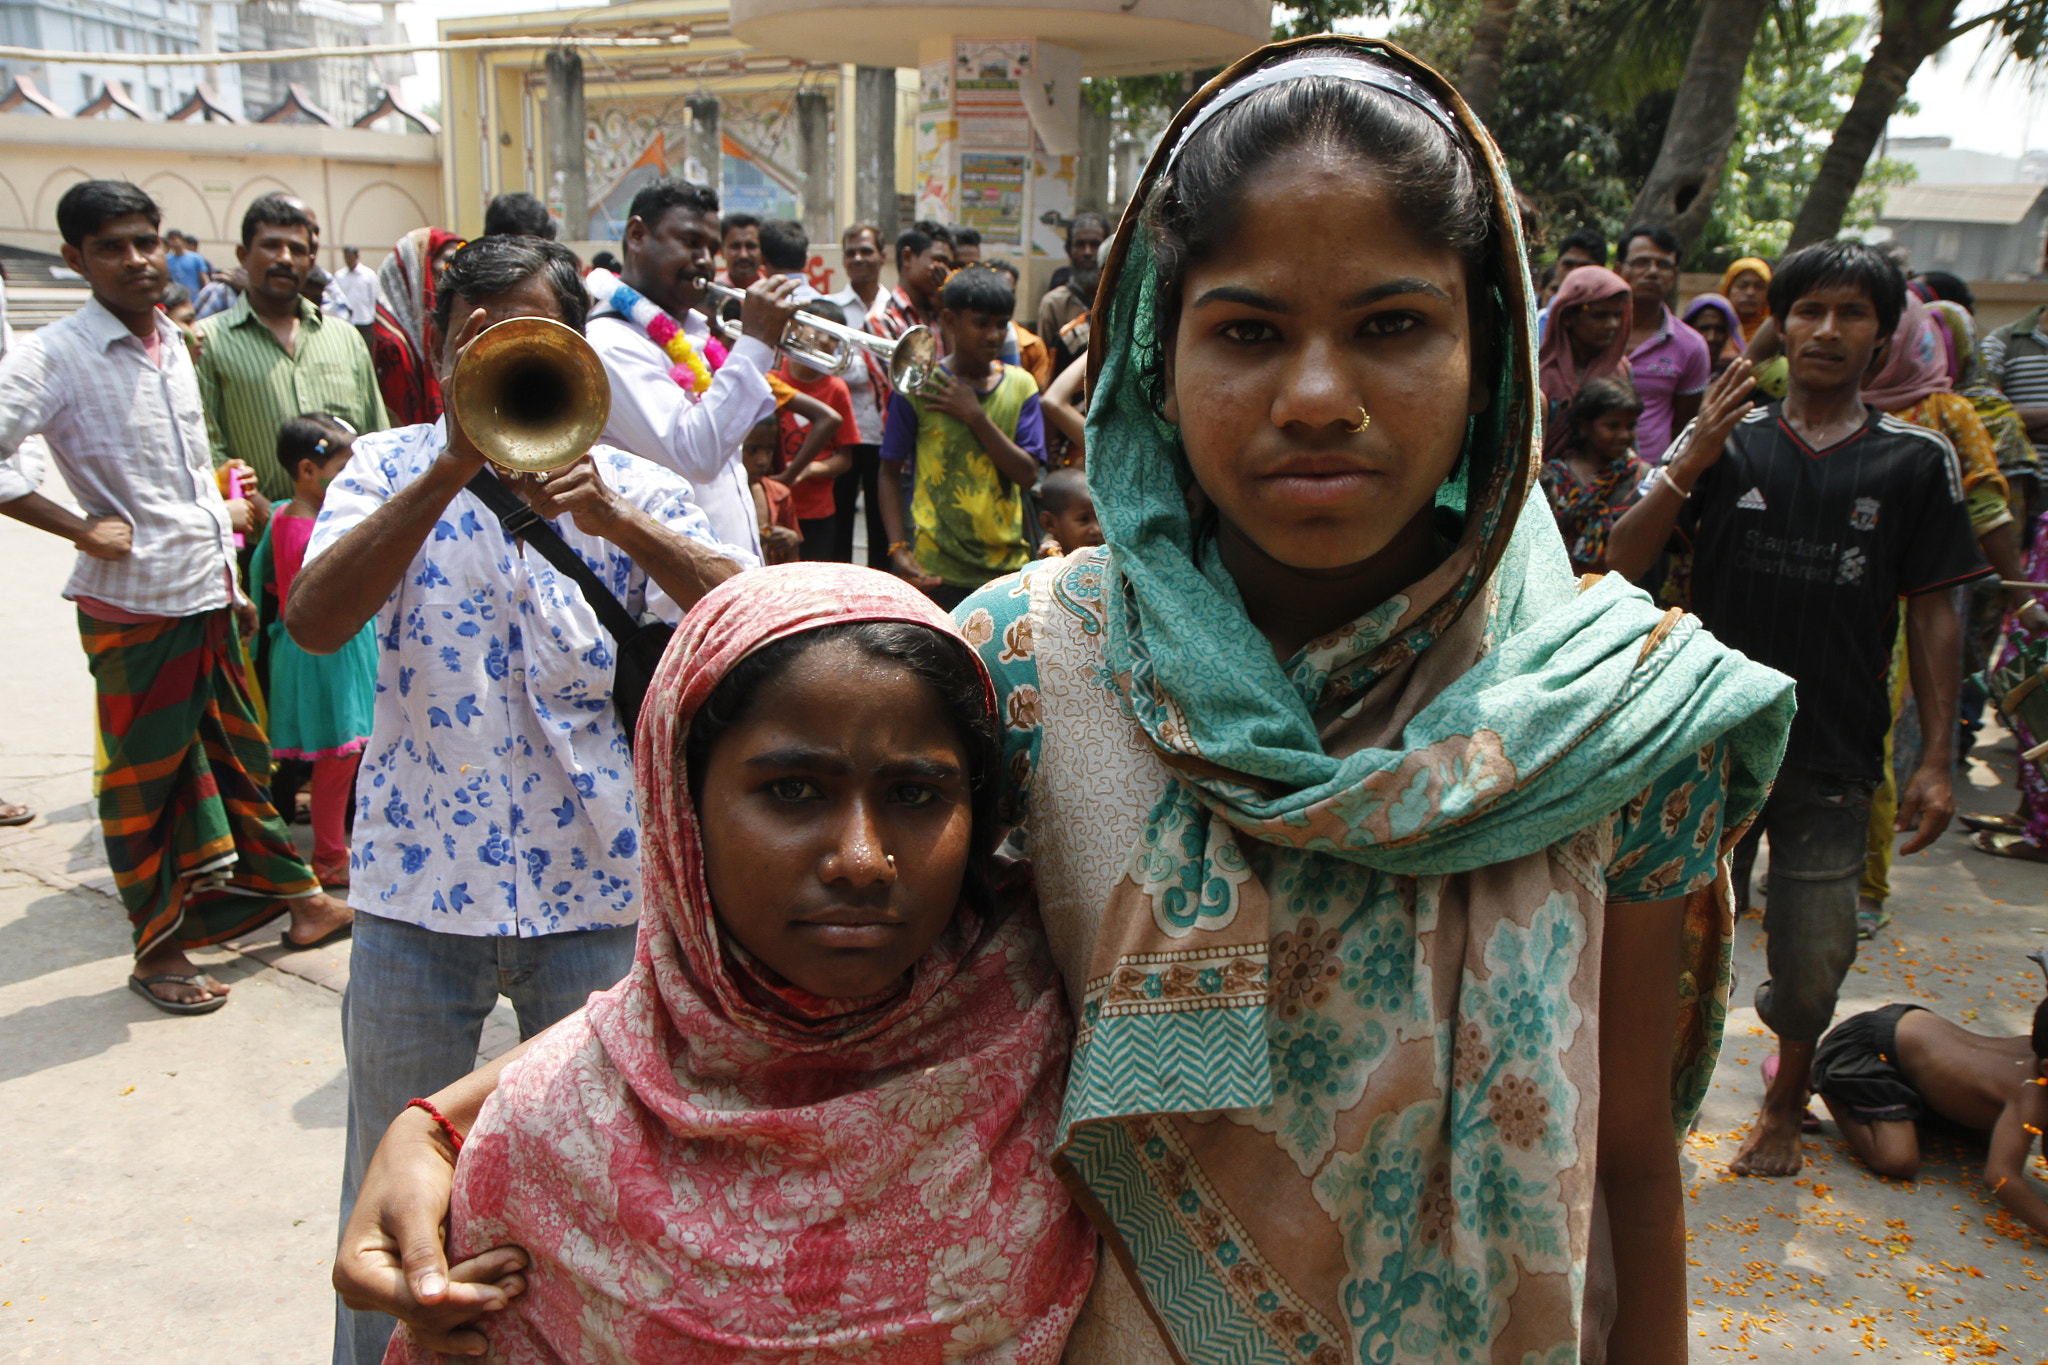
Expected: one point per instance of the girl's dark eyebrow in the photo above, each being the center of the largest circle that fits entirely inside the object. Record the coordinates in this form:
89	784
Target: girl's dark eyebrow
835	765
1252	298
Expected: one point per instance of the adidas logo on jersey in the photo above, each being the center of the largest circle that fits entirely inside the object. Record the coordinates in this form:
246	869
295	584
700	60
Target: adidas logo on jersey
1752	501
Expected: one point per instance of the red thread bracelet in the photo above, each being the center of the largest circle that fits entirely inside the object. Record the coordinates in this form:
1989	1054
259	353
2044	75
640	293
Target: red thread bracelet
440	1118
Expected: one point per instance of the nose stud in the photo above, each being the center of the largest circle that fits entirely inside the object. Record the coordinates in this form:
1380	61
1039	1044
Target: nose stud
1364	420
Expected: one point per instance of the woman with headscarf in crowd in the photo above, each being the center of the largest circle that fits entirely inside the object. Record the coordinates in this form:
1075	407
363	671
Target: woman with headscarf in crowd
1586	339
1383	862
1747	286
2015	452
1713	317
1913	385
398	344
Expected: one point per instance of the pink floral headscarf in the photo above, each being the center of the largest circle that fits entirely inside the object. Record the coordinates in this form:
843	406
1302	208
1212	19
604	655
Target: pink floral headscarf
1556	371
704	1171
1916	365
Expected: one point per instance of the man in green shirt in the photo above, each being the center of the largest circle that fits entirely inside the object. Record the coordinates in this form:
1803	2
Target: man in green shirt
273	356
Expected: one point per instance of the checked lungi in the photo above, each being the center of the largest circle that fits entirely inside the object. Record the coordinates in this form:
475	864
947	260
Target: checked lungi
186	789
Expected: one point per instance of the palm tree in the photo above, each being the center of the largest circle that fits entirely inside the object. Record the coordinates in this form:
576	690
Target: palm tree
1479	82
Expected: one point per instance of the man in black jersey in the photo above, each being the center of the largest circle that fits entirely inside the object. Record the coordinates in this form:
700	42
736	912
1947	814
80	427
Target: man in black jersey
1809	519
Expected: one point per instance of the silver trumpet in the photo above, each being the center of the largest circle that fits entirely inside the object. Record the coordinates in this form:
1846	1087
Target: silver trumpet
911	360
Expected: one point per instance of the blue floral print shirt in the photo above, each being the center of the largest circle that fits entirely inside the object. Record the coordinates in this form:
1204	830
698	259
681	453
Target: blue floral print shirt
496	793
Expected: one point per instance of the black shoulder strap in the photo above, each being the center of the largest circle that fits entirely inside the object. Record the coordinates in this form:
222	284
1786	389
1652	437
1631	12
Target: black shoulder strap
522	521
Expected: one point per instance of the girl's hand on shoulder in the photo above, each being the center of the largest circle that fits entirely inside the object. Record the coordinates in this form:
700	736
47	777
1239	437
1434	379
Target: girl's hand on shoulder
391	1258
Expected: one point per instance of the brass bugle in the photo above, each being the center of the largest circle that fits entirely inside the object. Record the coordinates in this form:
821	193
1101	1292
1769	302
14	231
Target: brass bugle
911	360
531	394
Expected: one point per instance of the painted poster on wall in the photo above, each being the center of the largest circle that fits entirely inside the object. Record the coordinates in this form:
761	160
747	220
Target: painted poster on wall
992	195
988	92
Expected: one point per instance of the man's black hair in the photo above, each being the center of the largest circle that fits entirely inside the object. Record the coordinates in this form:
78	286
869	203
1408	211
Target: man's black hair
1087	217
1058	488
1826	265
519	214
604	260
737	220
977	289
818	308
918	238
175	295
489	266
664	196
91	202
274	210
966	236
1589	240
1949	288
785	246
855	229
1005	266
1660	237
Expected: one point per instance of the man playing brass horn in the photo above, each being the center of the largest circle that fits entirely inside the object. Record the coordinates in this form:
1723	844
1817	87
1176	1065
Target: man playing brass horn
495	842
667	404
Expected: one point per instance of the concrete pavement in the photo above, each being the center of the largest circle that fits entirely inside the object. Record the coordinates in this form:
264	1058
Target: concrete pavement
169	1187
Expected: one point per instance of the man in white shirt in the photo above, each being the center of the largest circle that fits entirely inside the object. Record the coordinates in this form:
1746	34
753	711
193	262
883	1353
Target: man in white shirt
496	847
198	854
860	247
355	290
671	236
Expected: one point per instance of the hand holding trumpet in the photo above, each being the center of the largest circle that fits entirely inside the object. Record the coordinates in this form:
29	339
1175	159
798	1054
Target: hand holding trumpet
767	308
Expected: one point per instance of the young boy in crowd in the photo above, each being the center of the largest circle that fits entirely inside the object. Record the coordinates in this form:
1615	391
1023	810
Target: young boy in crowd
1066	513
1880	1071
976	440
781	535
814	450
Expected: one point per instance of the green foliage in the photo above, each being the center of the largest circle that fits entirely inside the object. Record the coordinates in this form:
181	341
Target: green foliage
1302	17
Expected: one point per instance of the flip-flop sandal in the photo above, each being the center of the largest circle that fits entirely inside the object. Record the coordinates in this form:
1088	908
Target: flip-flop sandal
2002	845
197	980
12	813
1996	824
292	945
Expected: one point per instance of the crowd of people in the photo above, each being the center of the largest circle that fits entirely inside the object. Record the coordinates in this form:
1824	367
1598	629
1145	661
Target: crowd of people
1216	884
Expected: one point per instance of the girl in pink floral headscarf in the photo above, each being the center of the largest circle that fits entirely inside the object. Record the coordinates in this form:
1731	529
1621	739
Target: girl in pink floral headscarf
813	1123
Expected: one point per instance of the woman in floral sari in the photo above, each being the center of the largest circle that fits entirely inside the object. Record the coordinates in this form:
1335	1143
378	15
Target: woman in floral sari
1382	862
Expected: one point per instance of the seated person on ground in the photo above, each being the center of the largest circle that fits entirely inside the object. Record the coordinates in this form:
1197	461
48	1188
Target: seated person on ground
1880	1071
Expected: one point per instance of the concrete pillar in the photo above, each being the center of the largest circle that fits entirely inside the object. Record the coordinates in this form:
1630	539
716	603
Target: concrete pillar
567	167
874	175
1129	155
209	41
706	144
1091	159
814	152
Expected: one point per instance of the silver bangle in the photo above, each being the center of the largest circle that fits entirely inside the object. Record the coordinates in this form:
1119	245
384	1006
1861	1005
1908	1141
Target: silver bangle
1664	474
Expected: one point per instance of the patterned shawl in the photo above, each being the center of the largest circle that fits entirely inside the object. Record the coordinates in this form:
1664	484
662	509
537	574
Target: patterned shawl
1747	265
398	345
1968	378
1557	371
1916	365
1335	1087
1586	509
707	1165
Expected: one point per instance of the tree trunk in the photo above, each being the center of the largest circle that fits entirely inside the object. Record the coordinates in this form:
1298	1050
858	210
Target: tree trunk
1911	31
1479	83
1679	193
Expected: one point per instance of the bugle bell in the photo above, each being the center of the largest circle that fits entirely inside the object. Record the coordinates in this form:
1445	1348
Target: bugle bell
531	394
911	360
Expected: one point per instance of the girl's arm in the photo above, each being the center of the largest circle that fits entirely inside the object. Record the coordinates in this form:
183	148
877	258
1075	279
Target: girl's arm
1637	1166
392	1258
1062	406
823	431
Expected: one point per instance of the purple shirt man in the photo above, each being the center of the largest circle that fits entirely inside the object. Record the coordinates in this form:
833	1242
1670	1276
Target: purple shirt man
1672	363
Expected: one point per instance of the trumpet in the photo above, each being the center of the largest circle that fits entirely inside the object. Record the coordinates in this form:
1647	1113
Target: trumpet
911	360
531	394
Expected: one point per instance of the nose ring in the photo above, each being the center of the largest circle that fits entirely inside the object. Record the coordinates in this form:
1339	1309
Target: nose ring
892	861
1364	420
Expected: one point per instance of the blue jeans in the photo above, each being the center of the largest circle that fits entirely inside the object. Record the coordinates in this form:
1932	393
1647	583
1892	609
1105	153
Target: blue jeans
410	1023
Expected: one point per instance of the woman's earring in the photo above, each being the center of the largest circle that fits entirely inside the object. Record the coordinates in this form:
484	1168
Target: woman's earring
1364	420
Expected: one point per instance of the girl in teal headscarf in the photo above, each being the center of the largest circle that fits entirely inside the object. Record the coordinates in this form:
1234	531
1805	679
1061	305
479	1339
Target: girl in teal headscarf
1382	859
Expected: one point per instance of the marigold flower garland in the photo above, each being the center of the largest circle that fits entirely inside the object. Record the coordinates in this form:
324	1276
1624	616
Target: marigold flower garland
689	369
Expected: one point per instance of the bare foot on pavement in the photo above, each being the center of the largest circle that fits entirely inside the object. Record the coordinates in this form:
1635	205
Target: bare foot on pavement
1772	1147
315	917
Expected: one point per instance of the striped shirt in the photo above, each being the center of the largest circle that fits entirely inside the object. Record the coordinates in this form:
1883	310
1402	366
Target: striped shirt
130	440
2022	378
251	387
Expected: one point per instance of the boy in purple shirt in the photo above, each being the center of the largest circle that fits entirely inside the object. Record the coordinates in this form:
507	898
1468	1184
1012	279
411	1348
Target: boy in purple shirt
1670	366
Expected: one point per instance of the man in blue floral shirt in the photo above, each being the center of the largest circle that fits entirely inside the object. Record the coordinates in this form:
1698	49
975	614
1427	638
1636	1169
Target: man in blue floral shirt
496	848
